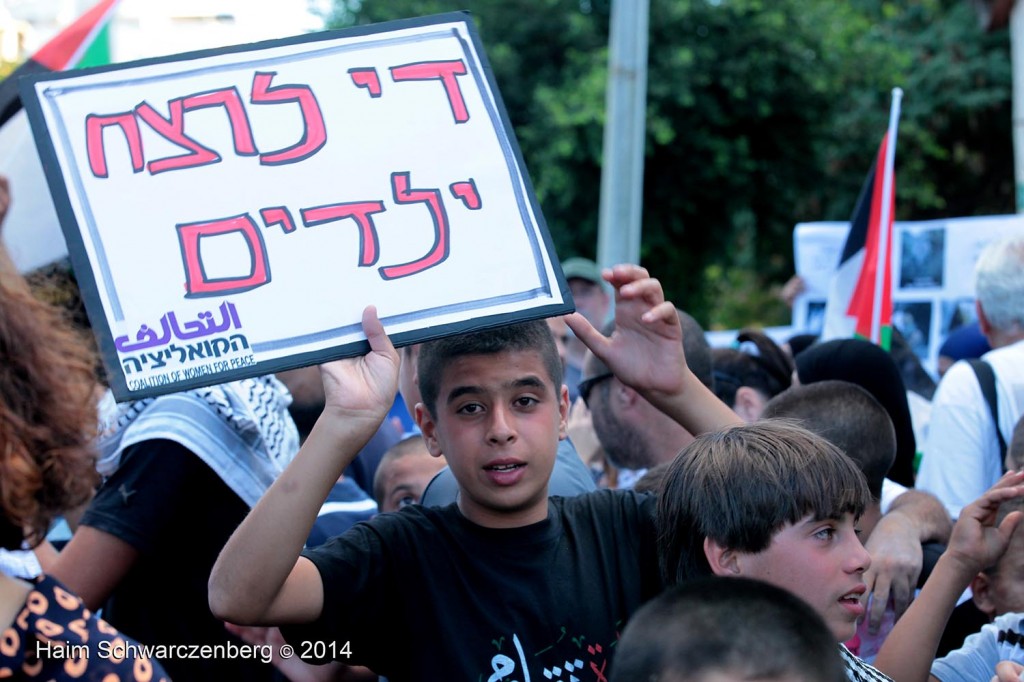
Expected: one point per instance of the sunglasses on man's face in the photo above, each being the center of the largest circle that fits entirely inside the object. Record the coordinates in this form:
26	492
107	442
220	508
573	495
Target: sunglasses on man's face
587	385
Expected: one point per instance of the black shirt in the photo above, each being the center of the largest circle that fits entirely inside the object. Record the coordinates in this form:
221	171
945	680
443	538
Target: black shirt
169	505
425	594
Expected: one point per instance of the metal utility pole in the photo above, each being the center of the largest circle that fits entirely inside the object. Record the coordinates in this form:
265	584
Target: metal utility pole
622	169
1017	60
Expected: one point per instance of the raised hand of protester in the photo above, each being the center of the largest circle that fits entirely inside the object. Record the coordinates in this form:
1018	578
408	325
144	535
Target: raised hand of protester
645	351
363	387
977	542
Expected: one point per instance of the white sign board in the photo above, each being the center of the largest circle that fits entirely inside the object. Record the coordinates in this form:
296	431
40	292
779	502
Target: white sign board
231	212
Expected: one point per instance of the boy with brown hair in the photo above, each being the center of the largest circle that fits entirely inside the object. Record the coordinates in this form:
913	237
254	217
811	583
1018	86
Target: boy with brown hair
851	418
502	583
775	502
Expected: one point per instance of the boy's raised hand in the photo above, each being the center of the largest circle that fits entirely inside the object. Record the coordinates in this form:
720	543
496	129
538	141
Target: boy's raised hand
646	350
363	387
977	542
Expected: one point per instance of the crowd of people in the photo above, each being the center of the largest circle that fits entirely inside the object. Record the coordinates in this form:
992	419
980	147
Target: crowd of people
596	497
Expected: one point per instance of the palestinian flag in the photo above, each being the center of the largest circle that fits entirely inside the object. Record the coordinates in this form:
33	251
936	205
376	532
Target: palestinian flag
31	231
84	43
860	297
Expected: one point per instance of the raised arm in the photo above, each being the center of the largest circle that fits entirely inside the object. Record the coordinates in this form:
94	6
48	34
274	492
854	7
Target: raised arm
646	352
976	542
259	577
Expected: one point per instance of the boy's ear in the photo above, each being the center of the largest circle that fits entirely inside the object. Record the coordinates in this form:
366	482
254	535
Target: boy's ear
625	396
723	562
429	430
749	404
981	593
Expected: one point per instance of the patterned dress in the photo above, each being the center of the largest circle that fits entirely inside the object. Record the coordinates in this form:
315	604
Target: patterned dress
56	638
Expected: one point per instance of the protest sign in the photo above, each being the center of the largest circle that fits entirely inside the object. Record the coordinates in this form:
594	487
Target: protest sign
231	212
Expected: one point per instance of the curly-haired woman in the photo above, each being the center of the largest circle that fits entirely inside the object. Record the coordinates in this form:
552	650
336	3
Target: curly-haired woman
47	465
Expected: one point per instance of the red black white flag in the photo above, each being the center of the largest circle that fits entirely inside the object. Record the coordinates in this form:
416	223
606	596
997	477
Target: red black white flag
860	296
32	232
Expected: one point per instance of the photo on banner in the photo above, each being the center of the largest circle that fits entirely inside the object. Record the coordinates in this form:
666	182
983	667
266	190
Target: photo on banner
231	212
933	272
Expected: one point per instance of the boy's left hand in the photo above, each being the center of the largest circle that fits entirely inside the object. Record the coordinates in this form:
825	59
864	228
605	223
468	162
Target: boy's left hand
645	351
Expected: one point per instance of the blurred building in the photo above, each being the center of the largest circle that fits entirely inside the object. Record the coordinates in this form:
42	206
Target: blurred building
153	28
138	29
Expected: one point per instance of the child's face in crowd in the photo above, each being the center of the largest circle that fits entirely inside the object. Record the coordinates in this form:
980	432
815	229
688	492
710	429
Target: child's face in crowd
405	479
822	562
1003	591
498	423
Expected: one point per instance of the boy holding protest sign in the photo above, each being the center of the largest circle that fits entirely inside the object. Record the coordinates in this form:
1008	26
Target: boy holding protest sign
529	585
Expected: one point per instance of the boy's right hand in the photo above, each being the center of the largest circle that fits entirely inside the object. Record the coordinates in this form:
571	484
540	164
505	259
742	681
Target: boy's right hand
363	387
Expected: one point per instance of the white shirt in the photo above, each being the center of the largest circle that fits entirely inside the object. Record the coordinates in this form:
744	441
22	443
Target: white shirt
977	658
961	454
890	491
920	416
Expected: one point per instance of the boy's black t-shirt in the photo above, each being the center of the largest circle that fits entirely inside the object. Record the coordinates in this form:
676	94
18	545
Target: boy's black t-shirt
176	511
424	594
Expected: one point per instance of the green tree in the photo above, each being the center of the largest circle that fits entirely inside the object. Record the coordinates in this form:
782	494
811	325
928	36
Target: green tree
760	114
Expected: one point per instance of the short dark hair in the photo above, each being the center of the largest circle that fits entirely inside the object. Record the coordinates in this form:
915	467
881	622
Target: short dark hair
769	371
524	336
741	485
747	628
847	416
410	445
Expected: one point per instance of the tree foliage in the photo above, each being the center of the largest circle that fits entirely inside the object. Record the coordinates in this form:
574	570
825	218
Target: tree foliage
760	114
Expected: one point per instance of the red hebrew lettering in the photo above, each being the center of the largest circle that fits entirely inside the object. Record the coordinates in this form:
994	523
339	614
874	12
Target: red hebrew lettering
95	150
278	215
446	72
172	129
360	211
314	132
197	284
366	77
439	251
241	131
466	191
